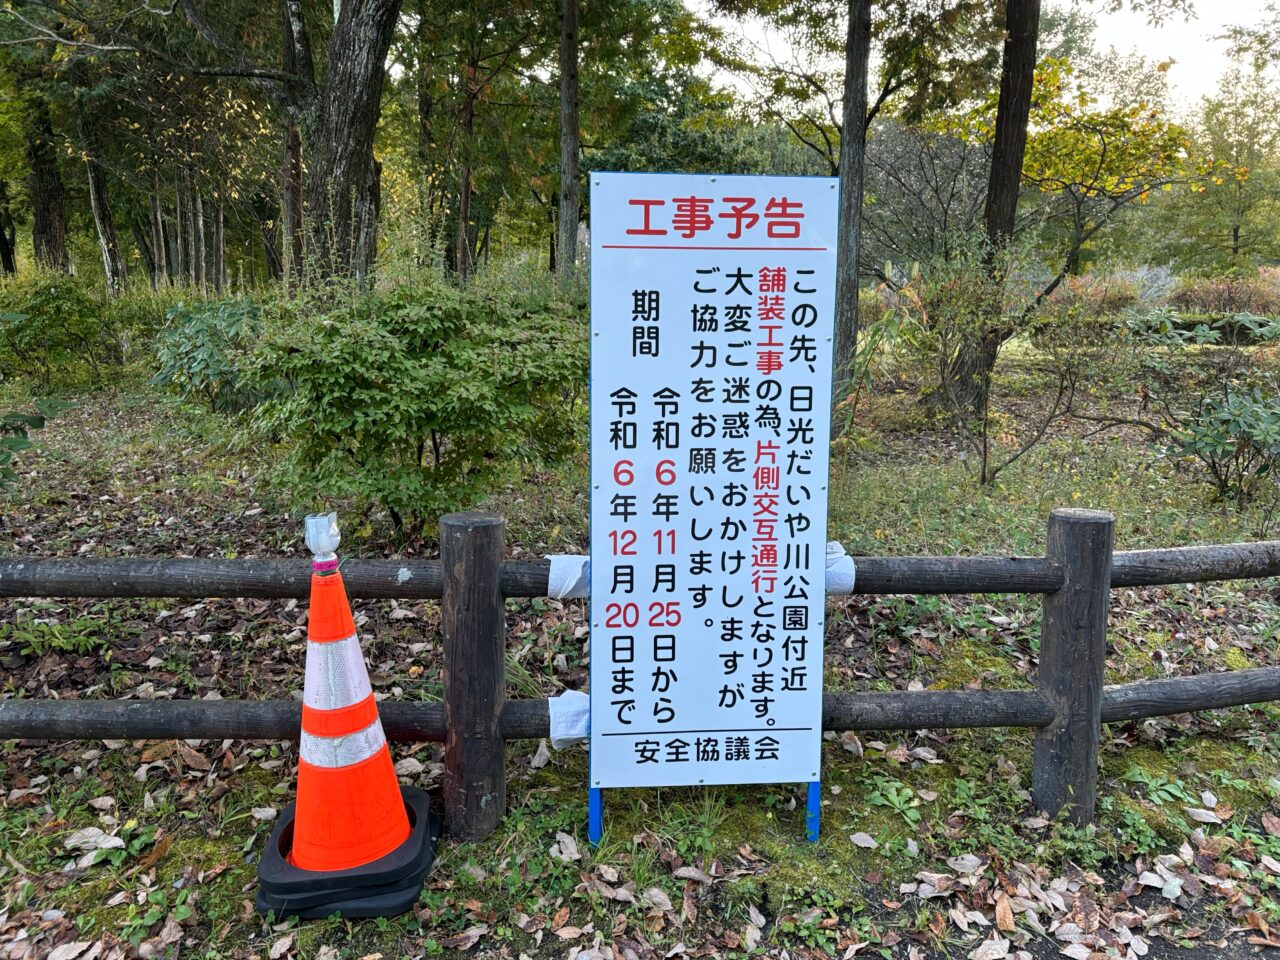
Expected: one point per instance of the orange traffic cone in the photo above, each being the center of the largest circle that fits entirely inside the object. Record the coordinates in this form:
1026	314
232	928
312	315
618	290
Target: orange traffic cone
353	842
349	806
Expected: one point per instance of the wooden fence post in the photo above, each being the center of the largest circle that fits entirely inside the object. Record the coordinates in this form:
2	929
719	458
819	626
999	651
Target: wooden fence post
473	622
1073	650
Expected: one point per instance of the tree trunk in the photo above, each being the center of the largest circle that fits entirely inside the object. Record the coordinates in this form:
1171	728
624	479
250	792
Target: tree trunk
113	264
181	226
569	149
200	236
8	232
296	59
169	230
48	207
1017	77
966	375
341	137
1072	267
271	256
291	206
144	250
156	225
219	256
462	241
192	237
427	154
551	238
470	80
853	143
368	207
969	374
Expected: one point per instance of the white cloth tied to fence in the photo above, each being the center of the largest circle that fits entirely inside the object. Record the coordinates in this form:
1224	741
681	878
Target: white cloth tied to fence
570	718
841	573
570	575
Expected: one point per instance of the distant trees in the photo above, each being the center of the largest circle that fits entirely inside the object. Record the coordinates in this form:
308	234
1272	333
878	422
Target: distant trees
1089	159
1226	218
197	141
932	52
334	109
1238	134
478	138
1258	40
927	185
966	381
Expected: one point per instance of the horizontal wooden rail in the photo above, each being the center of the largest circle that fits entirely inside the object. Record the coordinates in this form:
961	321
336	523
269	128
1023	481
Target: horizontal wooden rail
882	575
529	719
197	578
520	719
421	579
1231	561
1208	691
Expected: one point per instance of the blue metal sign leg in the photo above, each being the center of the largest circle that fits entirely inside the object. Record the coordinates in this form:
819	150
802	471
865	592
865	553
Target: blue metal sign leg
813	818
595	815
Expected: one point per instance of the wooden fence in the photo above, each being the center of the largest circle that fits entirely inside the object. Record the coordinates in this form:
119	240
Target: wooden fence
1066	707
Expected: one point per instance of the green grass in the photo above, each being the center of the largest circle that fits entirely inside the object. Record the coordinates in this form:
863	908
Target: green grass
907	500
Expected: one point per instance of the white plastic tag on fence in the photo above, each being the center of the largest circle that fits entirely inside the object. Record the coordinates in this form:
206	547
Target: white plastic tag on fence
570	718
841	572
323	536
570	575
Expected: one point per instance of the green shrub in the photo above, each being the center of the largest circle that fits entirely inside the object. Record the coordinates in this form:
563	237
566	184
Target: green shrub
55	329
873	307
1207	397
1166	328
417	398
202	348
1235	436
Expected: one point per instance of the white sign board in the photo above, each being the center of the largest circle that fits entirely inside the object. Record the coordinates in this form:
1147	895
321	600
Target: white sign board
712	304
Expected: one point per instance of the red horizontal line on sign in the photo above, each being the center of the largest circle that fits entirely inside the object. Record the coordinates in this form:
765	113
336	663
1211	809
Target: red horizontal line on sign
654	733
688	246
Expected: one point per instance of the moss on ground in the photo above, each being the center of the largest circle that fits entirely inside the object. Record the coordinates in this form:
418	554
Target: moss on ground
1233	658
966	661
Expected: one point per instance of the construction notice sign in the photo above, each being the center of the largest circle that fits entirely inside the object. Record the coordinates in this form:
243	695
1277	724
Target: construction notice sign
712	303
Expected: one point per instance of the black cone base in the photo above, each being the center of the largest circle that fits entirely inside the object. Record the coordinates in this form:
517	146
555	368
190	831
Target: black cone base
385	887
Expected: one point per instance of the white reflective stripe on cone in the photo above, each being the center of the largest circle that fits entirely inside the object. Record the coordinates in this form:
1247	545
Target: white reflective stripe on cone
336	675
344	750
